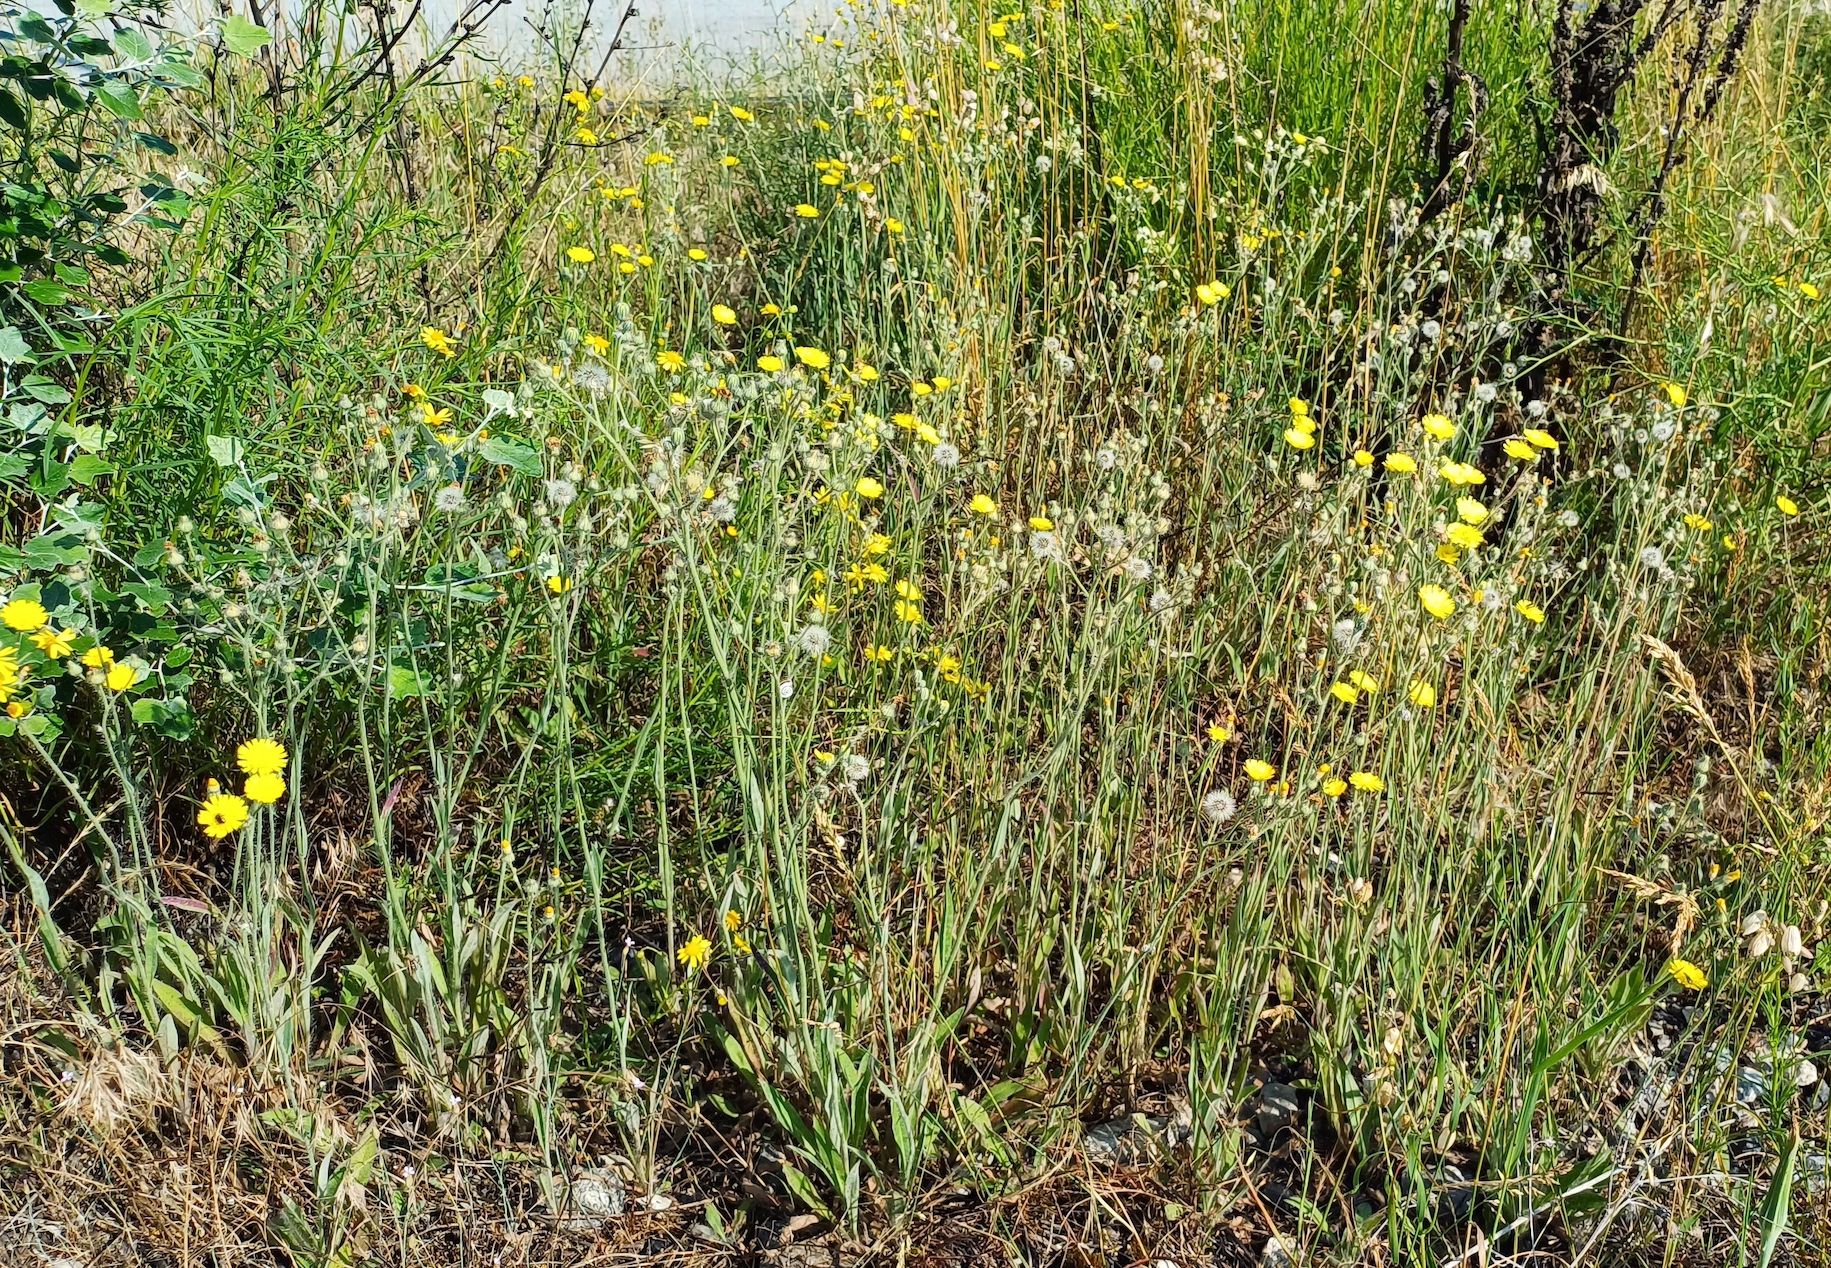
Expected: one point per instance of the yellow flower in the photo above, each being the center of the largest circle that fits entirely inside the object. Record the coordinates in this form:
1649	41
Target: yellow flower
1298	439
1687	974
733	921
1344	693
18	709
942	382
1808	290
1363	458
696	954
893	224
1697	522
813	358
1365	681
438	341
920	388
1540	439
1531	611
581	255
1402	463
1211	293
697	255
265	789
1461	473
909	613
1465	536
1217	733
1438	425
1436	601
222	813
1259	771
772	365
1449	554
807	211
1676	394
878	652
671	361
1041	523
98	657
1299	406
122	676
1470	511
24	615
1367	781
558	584
723	315
983	505
908	589
1787	505
738	112
54	644
1334	787
868	488
1422	694
261	756
1517	448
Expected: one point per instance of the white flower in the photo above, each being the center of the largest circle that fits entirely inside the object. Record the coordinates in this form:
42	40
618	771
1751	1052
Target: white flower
1045	545
946	455
1138	569
1218	806
1486	393
1492	600
1652	557
1347	635
1043	163
449	499
856	767
813	639
1430	330
1665	429
1536	408
1161	600
1064	364
562	493
722	509
1154	363
1622	471
1568	519
1105	458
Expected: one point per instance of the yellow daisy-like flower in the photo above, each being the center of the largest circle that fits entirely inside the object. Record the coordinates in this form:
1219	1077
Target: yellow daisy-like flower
1687	974
1461	473
1787	505
1437	601
53	643
1465	536
438	341
98	657
1539	438
723	315
581	255
1041	523
1676	394
121	677
1469	511
1363	458
1259	771
1344	693
878	652
1519	449
868	488
1365	681
1697	523
807	211
1422	694
909	613
559	585
671	361
1367	781
1531	611
1438	425
983	505
1333	787
769	364
1401	463
1298	439
813	358
222	814
25	615
266	789
1218	733
696	954
261	756
733	920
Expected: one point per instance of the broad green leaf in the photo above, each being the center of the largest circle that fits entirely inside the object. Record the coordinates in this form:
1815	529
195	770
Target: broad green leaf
226	450
13	347
86	467
512	453
120	99
242	37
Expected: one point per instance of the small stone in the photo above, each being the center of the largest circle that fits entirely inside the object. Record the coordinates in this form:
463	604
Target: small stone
1805	1074
596	1197
1278	1253
657	1202
1278	1109
1751	1086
